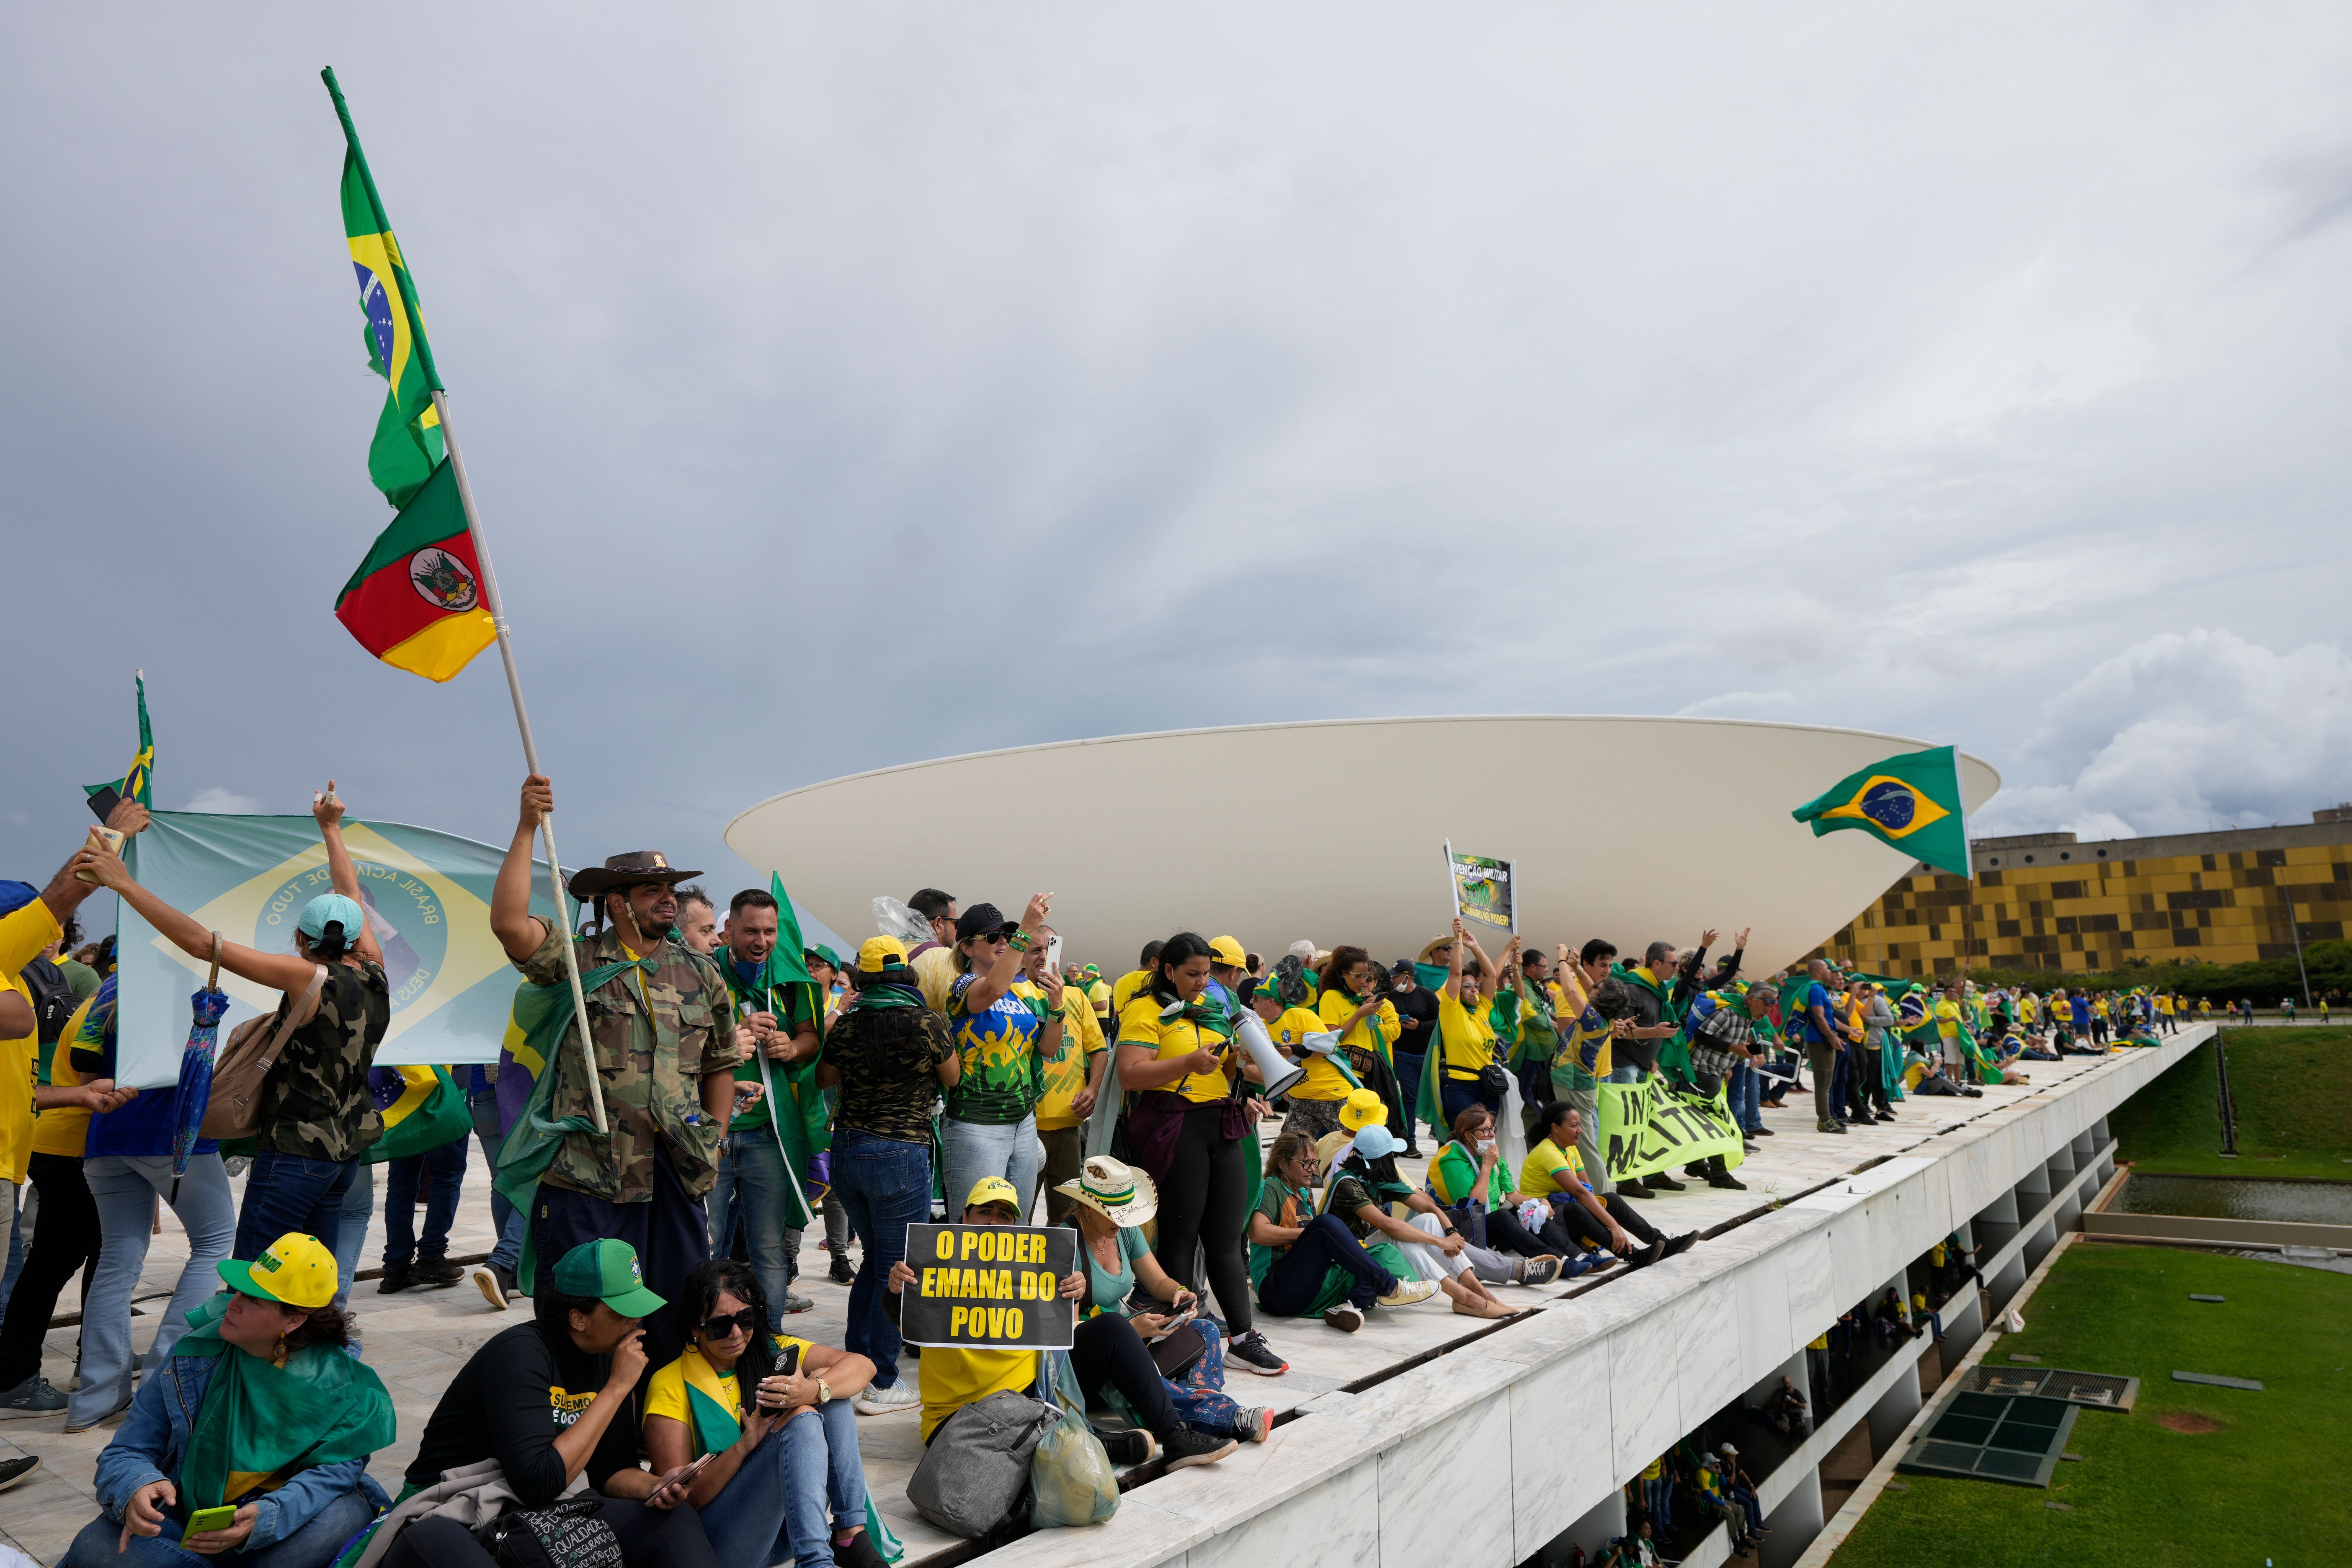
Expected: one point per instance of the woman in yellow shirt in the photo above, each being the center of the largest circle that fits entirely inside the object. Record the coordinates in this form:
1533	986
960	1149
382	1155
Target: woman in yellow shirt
1315	1099
1466	1038
1353	1001
1189	1124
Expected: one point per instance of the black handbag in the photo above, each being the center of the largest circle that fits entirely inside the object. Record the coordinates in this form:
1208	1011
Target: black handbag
566	1534
1494	1079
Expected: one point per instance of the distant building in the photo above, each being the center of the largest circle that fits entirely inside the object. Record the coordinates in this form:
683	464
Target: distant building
2042	901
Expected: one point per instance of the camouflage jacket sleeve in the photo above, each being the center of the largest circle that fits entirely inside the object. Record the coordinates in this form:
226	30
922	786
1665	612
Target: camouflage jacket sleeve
545	964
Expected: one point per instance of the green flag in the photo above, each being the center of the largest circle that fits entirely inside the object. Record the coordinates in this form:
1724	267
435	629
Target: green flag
408	445
1911	800
138	780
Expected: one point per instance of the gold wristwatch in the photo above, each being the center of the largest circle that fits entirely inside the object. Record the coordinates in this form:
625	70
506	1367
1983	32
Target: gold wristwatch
823	1391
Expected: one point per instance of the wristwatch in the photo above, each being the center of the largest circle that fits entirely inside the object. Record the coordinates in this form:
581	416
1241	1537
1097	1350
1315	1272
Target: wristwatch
823	1391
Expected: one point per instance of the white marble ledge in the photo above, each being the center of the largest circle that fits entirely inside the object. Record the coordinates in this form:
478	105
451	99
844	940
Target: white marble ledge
1139	1535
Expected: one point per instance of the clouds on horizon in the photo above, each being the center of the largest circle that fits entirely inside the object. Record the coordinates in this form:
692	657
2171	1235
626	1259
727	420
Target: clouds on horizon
866	386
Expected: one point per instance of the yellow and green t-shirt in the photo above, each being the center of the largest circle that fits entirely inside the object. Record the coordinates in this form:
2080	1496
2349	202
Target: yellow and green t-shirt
1323	1080
952	1379
1139	1025
1546	1158
1067	1073
665	1394
1467	1038
1375	1032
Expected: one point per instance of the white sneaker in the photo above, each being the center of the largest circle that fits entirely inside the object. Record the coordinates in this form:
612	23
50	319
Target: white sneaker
1347	1316
873	1401
1408	1291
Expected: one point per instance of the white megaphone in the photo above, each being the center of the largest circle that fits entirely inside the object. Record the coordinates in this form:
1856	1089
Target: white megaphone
1275	1068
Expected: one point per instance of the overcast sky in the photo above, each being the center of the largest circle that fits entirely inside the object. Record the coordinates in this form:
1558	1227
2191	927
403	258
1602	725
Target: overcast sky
845	387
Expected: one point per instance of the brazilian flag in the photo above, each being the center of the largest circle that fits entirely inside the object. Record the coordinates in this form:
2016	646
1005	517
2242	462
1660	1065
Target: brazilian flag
1911	800
407	446
137	781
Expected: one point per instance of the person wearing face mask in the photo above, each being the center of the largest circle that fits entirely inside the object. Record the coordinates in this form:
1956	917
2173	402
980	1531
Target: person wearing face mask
1411	992
1469	1178
662	1023
1365	1184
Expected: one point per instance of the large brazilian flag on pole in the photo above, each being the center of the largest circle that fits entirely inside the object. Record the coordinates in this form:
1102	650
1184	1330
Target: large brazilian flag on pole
1912	801
427	895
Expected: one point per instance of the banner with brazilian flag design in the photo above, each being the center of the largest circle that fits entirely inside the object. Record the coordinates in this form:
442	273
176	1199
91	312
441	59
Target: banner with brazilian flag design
1911	800
422	1108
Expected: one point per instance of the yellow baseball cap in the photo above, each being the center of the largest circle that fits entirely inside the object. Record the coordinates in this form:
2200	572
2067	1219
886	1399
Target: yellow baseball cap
879	950
1363	1109
1228	951
994	1190
296	1269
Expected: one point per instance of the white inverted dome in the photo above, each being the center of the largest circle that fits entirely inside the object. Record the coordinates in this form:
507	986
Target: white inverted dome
1632	829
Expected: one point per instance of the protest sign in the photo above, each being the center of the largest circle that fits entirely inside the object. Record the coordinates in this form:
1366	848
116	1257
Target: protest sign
1648	1126
1484	892
992	1287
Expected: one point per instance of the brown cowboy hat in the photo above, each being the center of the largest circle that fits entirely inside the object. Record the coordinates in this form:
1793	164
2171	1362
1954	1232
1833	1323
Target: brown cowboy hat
626	871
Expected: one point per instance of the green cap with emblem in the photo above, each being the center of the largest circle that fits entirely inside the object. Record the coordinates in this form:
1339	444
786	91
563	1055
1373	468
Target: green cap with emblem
609	1270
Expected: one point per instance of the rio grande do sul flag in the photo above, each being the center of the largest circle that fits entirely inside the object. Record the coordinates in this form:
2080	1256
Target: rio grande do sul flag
416	602
1911	800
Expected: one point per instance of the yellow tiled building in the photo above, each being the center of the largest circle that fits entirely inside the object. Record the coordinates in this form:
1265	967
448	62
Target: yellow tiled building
2045	901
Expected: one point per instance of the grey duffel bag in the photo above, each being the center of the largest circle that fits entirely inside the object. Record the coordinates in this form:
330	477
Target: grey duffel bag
977	1466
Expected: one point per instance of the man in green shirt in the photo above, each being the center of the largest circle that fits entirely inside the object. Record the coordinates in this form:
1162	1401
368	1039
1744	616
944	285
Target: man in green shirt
759	1183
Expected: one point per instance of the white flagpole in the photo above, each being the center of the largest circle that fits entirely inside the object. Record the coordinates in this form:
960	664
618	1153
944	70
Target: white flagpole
491	602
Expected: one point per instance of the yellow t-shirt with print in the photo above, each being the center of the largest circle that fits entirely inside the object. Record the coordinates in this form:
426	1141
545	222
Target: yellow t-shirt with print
1067	1074
1139	1025
1322	1080
1467	1038
1123	990
951	1379
1535	1172
666	1394
1375	1032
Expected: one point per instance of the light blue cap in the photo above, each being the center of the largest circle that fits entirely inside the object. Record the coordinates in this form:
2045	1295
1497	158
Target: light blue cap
328	907
1376	1142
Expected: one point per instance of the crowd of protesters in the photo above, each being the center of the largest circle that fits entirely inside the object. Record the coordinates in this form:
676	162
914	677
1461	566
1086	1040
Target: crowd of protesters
751	1093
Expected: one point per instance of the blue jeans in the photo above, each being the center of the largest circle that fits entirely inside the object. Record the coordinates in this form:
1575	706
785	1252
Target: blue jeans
750	1185
886	1185
802	1482
351	1237
16	1264
287	1193
124	1188
1746	1099
969	1151
504	1214
1409	1069
1458	1095
312	1543
447	1164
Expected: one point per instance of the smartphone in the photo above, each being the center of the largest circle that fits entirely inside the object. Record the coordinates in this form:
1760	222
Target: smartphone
684	1477
105	839
210	1518
788	1364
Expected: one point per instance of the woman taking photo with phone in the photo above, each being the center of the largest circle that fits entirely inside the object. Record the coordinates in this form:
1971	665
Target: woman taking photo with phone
1111	1203
769	1419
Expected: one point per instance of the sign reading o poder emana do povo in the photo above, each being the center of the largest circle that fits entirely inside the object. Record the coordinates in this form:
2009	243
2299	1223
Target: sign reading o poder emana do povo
989	1286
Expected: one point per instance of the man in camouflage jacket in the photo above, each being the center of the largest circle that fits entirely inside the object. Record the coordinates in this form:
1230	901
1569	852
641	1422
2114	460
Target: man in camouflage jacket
665	1033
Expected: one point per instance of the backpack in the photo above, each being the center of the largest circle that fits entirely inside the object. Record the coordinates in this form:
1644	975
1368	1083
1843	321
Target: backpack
53	999
251	1050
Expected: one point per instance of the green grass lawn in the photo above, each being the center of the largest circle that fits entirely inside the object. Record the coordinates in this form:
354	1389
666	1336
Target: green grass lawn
2263	1484
2294	1090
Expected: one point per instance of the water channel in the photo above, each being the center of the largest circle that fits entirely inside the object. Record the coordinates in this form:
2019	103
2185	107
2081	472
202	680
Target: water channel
2224	1197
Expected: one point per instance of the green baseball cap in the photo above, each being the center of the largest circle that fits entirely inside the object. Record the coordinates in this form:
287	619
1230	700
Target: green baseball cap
609	1270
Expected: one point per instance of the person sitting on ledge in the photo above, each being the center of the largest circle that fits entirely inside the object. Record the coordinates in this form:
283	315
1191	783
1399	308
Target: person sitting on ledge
1785	1411
1364	1183
786	1480
259	1411
1467	1178
1554	1171
1104	1352
1305	1264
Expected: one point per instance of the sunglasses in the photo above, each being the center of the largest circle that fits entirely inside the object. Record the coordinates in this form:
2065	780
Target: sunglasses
727	1325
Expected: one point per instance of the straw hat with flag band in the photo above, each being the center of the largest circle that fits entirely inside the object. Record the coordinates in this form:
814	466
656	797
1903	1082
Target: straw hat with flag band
1114	1190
